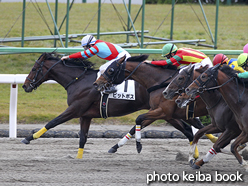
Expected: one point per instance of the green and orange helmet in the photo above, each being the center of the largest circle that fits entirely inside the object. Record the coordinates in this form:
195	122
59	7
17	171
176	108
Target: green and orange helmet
242	59
168	49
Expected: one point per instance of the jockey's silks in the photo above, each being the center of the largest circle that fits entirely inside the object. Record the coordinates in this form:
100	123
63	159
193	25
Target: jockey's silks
183	56
102	49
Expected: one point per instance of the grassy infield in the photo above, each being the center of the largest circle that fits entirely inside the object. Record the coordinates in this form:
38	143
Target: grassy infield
50	100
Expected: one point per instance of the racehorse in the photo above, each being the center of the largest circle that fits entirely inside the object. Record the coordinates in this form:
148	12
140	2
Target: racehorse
150	77
222	118
83	100
225	80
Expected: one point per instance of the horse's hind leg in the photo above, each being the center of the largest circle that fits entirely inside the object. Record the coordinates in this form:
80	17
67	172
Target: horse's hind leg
196	122
84	129
241	139
221	143
65	116
211	129
128	136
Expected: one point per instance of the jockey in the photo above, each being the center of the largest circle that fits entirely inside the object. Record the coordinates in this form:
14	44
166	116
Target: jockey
180	56
242	61
233	63
103	50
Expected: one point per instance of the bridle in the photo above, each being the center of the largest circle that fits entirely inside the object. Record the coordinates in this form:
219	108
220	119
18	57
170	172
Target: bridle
33	82
182	89
117	70
212	75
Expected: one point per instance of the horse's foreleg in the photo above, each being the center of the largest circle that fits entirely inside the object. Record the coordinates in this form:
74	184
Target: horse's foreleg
224	140
196	122
84	129
128	136
150	115
139	121
65	116
210	128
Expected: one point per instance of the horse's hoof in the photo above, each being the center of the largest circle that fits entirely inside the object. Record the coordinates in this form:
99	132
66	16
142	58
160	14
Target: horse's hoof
138	146
25	141
112	150
192	162
195	166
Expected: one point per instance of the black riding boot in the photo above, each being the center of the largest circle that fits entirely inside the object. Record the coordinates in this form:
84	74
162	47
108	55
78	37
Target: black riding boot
110	90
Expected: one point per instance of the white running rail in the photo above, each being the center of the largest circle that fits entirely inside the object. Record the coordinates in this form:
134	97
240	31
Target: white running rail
14	80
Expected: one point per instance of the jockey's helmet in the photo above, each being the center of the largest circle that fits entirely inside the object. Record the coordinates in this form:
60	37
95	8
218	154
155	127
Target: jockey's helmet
88	40
242	59
168	49
220	58
245	49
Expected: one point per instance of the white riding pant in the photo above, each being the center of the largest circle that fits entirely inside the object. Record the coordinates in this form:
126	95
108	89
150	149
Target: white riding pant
105	66
203	63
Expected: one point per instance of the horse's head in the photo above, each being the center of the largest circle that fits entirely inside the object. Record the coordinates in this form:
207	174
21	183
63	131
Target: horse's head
179	83
114	74
183	100
203	81
38	74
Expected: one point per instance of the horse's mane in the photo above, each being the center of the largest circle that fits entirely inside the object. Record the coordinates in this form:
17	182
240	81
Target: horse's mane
232	73
70	62
139	58
142	58
169	66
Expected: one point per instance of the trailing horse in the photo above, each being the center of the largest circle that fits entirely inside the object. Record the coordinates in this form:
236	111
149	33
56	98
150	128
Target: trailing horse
222	118
154	79
234	91
83	100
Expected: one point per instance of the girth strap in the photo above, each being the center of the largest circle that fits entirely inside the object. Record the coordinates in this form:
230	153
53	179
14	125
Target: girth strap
190	110
104	105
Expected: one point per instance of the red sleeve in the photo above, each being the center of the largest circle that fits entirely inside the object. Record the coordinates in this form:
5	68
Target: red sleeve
176	64
159	63
76	55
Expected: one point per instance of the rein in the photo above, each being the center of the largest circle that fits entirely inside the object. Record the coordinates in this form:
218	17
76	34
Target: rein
131	73
182	89
217	87
76	78
33	84
201	88
161	85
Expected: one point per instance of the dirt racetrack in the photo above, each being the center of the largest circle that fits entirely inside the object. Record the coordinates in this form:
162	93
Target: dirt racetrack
51	161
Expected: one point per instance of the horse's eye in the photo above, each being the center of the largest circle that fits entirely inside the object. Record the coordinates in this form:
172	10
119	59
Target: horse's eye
33	69
203	76
111	71
180	78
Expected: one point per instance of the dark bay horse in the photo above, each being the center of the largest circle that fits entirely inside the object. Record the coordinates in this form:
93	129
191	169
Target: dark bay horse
150	77
83	100
222	118
235	93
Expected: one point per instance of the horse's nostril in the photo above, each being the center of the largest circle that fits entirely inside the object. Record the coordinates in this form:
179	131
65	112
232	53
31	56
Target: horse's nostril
23	86
178	101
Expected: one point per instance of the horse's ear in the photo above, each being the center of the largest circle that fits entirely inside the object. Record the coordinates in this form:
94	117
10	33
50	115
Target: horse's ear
190	68
216	66
122	59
